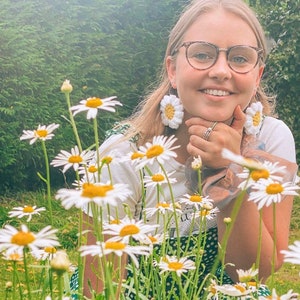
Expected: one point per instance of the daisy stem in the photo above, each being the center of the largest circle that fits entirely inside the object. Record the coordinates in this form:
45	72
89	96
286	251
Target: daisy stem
26	273
15	281
49	200
60	286
97	144
199	181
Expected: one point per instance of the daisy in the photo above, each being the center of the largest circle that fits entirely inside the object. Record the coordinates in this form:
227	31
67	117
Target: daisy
91	105
26	211
288	296
117	247
162	208
248	275
293	254
45	253
195	200
41	133
171	111
159	178
99	193
174	264
266	191
235	290
73	159
207	211
196	163
15	240
254	118
155	239
128	228
13	256
161	150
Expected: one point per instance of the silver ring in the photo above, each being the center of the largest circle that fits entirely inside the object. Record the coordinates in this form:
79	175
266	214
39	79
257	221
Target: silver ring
209	131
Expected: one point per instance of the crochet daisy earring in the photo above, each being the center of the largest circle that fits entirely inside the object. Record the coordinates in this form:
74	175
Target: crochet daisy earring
171	111
254	118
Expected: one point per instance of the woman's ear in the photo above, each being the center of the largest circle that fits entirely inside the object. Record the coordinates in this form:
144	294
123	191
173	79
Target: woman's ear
171	70
260	74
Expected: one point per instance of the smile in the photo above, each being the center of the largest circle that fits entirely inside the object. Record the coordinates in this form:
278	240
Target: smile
216	92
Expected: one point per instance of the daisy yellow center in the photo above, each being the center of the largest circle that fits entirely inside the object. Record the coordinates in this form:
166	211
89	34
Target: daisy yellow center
136	155
169	111
41	132
158	177
163	205
196	198
175	265
256	119
50	250
107	160
14	256
240	288
93	102
204	212
90	190
154	151
114	245
75	159
152	239
22	238
28	209
129	229
92	169
258	174
274	188
115	221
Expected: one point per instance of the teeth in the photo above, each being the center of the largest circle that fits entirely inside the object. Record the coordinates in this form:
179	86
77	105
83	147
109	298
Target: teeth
216	92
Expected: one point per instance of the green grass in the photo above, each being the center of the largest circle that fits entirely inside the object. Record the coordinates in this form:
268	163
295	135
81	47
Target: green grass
67	222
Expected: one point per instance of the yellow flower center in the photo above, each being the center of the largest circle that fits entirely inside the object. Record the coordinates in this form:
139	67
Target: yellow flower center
93	102
114	245
258	174
115	221
240	288
163	205
204	212
92	169
75	159
154	151
28	209
196	198
107	160
136	155
175	265
256	119
90	190
129	229
274	188
158	177
22	238
50	250
41	133
14	256
169	111
152	239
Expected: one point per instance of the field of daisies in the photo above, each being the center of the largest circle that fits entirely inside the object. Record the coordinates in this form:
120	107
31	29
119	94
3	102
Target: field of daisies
43	237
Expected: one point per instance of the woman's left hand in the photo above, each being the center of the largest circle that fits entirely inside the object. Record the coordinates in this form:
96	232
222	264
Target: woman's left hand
222	136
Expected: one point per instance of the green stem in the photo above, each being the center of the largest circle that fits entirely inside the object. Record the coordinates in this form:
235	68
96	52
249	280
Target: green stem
60	286
26	273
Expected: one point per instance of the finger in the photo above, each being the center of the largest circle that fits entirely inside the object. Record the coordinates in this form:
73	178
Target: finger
239	119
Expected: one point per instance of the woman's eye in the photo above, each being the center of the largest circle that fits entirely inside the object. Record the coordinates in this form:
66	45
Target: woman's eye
239	60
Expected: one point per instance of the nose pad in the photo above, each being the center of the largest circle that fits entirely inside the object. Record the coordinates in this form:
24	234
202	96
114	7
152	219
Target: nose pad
220	70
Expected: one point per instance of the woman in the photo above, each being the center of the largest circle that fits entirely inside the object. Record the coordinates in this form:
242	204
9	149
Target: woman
214	64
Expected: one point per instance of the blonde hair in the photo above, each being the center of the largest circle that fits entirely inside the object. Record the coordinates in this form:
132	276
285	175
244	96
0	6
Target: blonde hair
147	120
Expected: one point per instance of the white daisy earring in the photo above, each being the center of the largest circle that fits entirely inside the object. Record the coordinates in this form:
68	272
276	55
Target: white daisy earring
171	111
254	118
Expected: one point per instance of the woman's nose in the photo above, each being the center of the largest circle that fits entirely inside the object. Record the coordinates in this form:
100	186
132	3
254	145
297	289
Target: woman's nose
220	70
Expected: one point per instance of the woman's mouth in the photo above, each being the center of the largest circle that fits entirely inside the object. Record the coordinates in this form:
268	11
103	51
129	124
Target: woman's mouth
216	92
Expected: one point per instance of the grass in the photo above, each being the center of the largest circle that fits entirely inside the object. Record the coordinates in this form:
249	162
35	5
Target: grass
67	222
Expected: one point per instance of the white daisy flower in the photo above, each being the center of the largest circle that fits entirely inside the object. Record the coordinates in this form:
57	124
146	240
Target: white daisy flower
242	161
254	118
271	170
207	211
162	208
14	240
45	253
117	247
290	295
99	193
266	191
13	256
161	150
73	159
155	239
128	228
159	178
41	133
195	200
235	290
91	105
246	275
293	254
26	211
174	264
171	111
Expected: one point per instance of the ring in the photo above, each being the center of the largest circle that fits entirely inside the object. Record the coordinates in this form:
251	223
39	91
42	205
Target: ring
209	131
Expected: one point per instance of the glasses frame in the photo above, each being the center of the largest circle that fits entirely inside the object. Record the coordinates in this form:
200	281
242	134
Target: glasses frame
259	51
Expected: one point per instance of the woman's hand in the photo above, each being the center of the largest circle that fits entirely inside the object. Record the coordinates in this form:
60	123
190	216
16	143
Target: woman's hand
222	136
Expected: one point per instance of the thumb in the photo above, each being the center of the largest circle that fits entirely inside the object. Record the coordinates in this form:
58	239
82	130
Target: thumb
239	119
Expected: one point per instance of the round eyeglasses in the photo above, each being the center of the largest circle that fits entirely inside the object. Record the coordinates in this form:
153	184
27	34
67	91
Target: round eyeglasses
202	55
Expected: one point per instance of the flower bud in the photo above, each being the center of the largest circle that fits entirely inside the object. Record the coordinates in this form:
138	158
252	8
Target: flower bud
66	87
60	263
227	220
197	163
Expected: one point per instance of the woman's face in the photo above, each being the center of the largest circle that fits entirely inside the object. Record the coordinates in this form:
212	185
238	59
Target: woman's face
213	94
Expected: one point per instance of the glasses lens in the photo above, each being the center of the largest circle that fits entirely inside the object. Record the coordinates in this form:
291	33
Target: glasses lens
242	59
201	55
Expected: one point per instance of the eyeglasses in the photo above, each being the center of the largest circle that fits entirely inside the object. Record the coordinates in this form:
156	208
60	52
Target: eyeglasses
202	55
